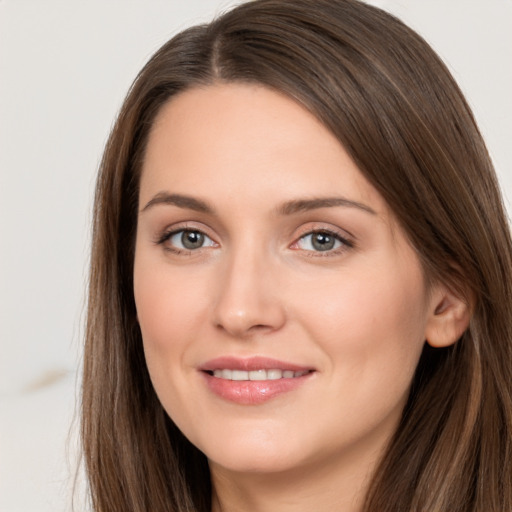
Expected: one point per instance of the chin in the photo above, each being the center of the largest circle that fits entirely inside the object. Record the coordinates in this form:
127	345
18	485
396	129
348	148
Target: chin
256	463
254	455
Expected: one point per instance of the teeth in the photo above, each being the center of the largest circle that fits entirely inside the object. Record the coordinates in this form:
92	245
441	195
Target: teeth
239	375
258	375
272	374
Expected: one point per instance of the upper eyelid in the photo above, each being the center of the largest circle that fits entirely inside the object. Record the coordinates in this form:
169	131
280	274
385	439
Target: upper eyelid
174	232
316	227
343	239
326	231
172	229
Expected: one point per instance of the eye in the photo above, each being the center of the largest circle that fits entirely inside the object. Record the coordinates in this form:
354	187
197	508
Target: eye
321	241
188	240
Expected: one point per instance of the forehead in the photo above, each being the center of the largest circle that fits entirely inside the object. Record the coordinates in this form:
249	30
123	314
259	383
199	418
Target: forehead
240	141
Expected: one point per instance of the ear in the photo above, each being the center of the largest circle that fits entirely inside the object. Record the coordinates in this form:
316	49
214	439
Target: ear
449	317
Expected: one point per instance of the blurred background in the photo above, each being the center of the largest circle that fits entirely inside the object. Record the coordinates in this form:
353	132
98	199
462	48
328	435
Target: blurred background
65	66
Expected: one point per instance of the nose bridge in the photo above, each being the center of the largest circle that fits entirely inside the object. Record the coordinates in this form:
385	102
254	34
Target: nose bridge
248	299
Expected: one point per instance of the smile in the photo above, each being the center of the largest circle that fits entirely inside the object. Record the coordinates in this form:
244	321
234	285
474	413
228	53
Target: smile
261	374
254	380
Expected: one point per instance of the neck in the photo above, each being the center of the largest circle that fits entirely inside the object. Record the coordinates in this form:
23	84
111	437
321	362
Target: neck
328	487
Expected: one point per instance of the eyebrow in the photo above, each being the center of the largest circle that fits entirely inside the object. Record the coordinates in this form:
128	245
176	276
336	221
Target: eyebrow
188	202
288	208
303	205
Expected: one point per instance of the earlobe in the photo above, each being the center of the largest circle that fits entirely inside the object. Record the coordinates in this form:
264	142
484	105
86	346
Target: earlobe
449	319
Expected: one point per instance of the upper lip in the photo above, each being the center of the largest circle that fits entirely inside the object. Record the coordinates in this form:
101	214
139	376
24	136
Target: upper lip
250	363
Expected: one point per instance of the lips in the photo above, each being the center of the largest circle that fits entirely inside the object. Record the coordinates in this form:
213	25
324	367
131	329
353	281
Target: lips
260	374
251	381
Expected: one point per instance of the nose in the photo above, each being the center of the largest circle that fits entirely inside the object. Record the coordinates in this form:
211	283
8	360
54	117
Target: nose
248	299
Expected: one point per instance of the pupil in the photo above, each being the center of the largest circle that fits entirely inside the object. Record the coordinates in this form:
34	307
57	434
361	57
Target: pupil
323	241
192	239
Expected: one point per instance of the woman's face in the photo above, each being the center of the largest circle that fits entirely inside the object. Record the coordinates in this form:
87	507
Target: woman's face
282	310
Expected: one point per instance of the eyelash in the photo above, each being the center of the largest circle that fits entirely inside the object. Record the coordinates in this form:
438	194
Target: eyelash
345	244
167	235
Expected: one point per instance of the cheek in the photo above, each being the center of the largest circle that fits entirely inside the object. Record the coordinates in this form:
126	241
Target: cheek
171	312
171	315
372	323
371	327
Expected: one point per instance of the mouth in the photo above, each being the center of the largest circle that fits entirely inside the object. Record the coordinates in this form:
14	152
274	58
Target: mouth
256	375
253	381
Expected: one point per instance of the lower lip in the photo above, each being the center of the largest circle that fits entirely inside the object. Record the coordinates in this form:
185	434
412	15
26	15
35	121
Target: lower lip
252	392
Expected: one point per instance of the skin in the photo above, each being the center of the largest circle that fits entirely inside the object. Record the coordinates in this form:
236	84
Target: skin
358	314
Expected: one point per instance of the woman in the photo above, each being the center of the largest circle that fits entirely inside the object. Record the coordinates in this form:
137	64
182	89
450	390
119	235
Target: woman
300	277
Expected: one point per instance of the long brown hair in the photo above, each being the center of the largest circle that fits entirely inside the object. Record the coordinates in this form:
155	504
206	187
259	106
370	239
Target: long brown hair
398	112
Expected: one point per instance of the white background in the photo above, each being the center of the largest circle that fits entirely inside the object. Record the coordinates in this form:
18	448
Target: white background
64	69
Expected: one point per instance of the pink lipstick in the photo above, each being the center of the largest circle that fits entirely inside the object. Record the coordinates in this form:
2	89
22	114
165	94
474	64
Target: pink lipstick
252	381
